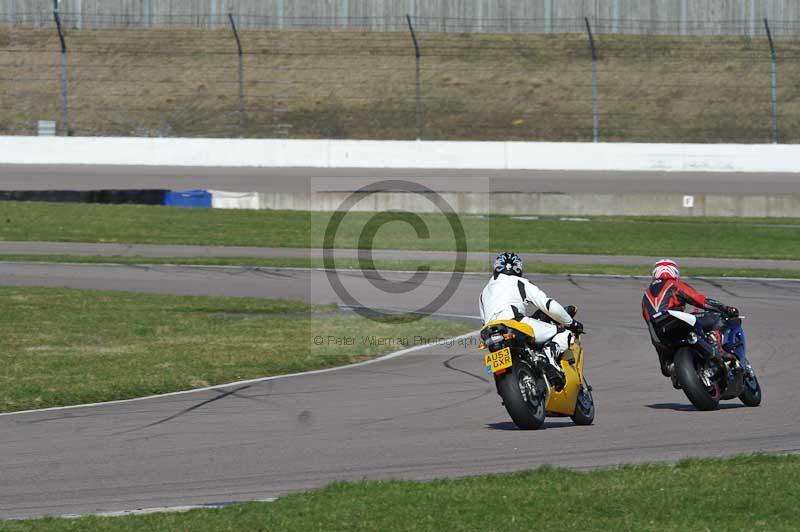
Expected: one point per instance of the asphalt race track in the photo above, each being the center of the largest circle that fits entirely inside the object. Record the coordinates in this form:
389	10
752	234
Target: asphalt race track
88	177
426	414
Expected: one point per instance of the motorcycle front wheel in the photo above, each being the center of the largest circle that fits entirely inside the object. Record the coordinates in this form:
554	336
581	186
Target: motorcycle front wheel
688	369
751	396
523	396
584	406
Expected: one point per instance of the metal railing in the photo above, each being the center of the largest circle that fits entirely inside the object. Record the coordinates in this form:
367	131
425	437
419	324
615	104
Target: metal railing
581	82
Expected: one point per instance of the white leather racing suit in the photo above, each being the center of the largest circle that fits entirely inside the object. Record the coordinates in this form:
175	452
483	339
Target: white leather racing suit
508	297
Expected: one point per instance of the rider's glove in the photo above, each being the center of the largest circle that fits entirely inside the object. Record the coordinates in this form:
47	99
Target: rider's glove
714	304
732	312
575	327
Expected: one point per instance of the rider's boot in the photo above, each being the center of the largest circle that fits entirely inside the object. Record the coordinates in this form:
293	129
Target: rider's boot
664	362
716	338
673	377
553	371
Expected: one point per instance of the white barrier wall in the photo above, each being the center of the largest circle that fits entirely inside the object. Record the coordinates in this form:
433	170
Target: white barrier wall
523	203
400	154
221	199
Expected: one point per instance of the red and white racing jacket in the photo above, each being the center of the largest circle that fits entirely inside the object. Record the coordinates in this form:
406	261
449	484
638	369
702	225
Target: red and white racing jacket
670	294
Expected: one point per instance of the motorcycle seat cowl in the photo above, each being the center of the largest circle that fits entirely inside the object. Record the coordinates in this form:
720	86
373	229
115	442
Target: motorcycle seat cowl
516	325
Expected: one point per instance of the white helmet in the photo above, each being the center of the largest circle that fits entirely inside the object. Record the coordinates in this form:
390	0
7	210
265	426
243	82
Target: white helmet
666	269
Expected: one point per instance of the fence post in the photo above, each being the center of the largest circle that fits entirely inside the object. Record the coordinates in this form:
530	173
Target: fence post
418	80
241	74
595	116
64	88
774	76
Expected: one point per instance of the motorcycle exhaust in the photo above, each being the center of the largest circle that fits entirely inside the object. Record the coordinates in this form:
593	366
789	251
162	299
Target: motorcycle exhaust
703	348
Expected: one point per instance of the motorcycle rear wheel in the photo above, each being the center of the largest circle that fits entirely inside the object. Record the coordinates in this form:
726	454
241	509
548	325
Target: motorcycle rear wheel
696	391
526	410
751	396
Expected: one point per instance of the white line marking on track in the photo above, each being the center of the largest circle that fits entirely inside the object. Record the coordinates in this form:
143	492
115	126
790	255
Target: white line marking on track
387	356
155	510
328	370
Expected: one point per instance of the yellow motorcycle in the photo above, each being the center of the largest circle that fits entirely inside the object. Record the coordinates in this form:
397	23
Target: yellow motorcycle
518	368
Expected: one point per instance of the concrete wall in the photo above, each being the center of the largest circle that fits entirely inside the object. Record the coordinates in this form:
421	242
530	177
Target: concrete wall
400	154
475	155
535	204
626	16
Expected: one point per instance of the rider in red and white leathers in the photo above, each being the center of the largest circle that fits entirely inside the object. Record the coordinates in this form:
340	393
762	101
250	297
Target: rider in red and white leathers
668	292
509	296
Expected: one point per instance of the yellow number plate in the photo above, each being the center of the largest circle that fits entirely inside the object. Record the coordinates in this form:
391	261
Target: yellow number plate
498	360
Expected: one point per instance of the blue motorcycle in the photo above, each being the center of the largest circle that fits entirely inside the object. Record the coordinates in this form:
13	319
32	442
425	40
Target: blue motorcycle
704	370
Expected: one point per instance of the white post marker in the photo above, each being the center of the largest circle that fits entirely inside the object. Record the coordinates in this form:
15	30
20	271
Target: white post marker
688	201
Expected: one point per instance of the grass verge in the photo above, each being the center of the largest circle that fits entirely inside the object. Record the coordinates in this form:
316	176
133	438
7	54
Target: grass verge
434	266
687	237
61	346
634	498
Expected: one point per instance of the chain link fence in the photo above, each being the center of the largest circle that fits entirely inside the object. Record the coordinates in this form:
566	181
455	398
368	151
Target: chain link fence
583	81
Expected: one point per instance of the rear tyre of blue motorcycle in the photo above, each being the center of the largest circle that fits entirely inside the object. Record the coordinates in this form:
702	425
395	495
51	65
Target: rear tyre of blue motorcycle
526	413
687	372
751	396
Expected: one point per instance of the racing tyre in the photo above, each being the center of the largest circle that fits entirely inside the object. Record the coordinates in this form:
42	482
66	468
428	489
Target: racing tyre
523	396
584	406
688	369
751	396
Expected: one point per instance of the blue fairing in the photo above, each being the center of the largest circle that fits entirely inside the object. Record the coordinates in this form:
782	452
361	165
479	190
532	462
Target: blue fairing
734	339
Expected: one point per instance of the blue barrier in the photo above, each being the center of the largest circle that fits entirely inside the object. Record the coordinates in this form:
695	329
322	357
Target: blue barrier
188	198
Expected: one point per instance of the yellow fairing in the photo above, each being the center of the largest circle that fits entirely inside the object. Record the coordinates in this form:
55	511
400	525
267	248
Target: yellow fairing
513	324
563	402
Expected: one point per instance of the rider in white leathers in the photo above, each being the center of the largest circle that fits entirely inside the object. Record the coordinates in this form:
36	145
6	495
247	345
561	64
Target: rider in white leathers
509	296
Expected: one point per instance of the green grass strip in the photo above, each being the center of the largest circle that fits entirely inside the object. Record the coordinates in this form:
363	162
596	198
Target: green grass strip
739	494
61	346
435	266
687	237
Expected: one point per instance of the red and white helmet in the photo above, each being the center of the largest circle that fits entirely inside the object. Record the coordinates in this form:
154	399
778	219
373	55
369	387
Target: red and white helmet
666	269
